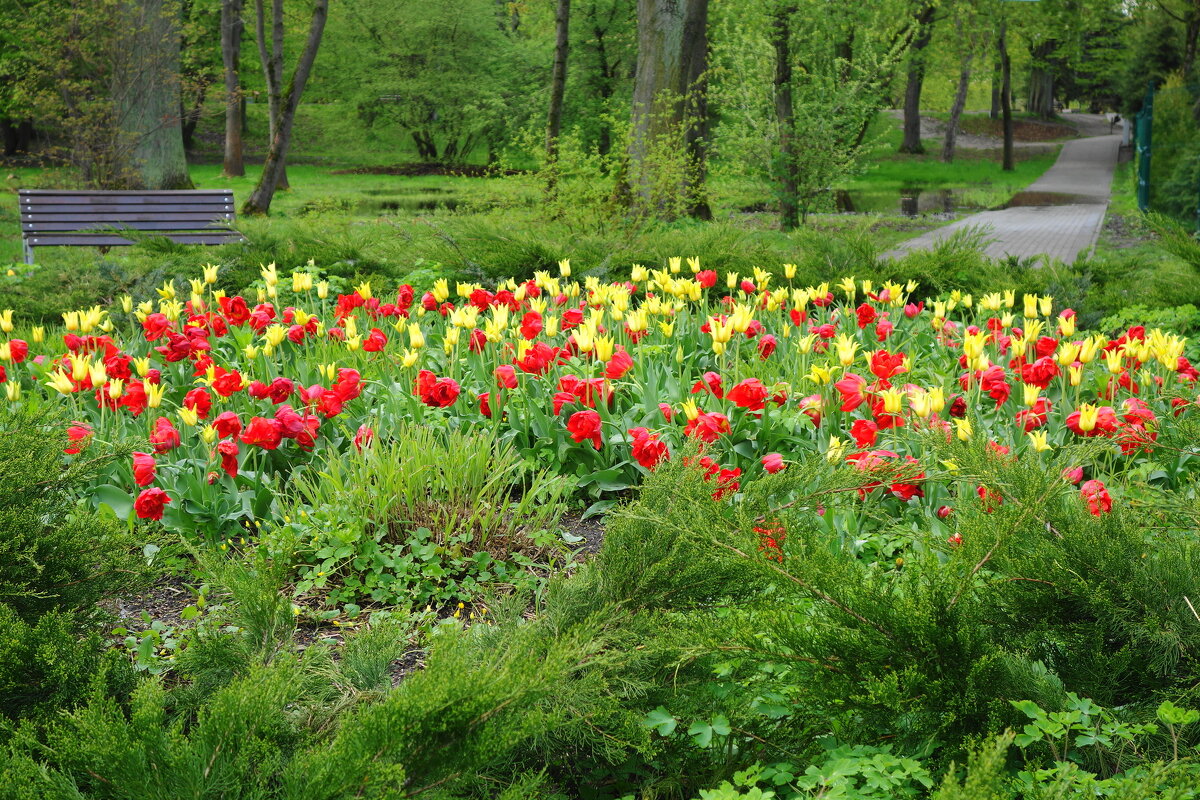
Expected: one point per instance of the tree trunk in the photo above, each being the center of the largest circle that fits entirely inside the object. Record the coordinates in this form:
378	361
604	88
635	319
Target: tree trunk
558	88
260	199
916	78
960	100
231	48
781	34
1041	80
146	90
1191	33
8	132
272	63
192	116
670	104
1006	96
995	111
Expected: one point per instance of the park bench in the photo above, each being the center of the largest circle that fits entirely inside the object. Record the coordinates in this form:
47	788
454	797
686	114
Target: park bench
54	218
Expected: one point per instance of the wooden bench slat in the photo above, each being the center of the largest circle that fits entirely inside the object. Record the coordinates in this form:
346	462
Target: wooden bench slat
94	240
132	225
51	217
122	193
174	208
116	203
110	217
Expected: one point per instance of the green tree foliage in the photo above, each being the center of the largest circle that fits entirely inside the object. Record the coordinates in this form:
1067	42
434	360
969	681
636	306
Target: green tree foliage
456	76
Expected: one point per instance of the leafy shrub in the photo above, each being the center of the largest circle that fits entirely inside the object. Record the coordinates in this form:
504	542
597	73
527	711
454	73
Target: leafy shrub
46	668
420	519
57	553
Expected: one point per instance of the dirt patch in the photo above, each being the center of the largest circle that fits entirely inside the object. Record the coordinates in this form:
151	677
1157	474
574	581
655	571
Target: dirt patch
1025	199
421	169
591	530
1024	130
1121	232
165	602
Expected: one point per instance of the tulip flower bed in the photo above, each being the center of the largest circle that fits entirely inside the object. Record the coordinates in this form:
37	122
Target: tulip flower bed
226	398
874	534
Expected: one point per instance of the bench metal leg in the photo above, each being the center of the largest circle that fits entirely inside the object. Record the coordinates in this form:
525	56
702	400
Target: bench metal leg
28	248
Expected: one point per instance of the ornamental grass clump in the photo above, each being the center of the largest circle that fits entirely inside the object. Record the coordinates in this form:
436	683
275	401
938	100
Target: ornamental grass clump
417	516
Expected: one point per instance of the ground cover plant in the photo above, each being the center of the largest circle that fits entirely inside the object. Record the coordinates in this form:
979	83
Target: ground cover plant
854	534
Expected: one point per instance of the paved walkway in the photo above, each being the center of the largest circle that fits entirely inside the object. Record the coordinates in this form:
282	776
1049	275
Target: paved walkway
1059	215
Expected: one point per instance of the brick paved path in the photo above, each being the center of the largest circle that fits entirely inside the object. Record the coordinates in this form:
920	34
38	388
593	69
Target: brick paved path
1064	226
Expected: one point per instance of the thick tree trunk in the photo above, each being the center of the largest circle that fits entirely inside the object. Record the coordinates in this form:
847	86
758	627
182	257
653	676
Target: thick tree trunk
1006	96
231	48
670	105
1041	80
916	79
960	100
260	199
781	35
146	89
558	87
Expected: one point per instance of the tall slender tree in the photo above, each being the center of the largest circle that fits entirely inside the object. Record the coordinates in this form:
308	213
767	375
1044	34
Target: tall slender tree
231	49
670	108
923	21
558	83
781	37
288	100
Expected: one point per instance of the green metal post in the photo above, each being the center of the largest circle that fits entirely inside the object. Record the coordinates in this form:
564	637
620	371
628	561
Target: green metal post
1145	120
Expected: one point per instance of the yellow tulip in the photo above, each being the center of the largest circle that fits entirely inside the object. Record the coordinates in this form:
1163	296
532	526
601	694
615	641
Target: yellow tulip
210	272
410	357
690	409
188	417
39	334
416	338
963	429
1030	394
836	450
275	334
6	323
154	394
61	382
116	389
847	349
1088	415
1040	441
12	390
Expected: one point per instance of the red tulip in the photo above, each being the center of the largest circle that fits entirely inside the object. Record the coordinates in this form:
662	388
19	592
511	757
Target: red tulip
772	463
150	503
80	432
1097	498
647	449
164	437
363	437
263	432
143	469
228	450
707	427
585	425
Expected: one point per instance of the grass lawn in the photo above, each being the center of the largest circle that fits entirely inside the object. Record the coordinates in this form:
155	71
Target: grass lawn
332	212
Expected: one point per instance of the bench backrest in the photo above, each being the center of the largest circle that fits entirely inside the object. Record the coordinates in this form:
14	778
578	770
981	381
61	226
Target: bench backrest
50	217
